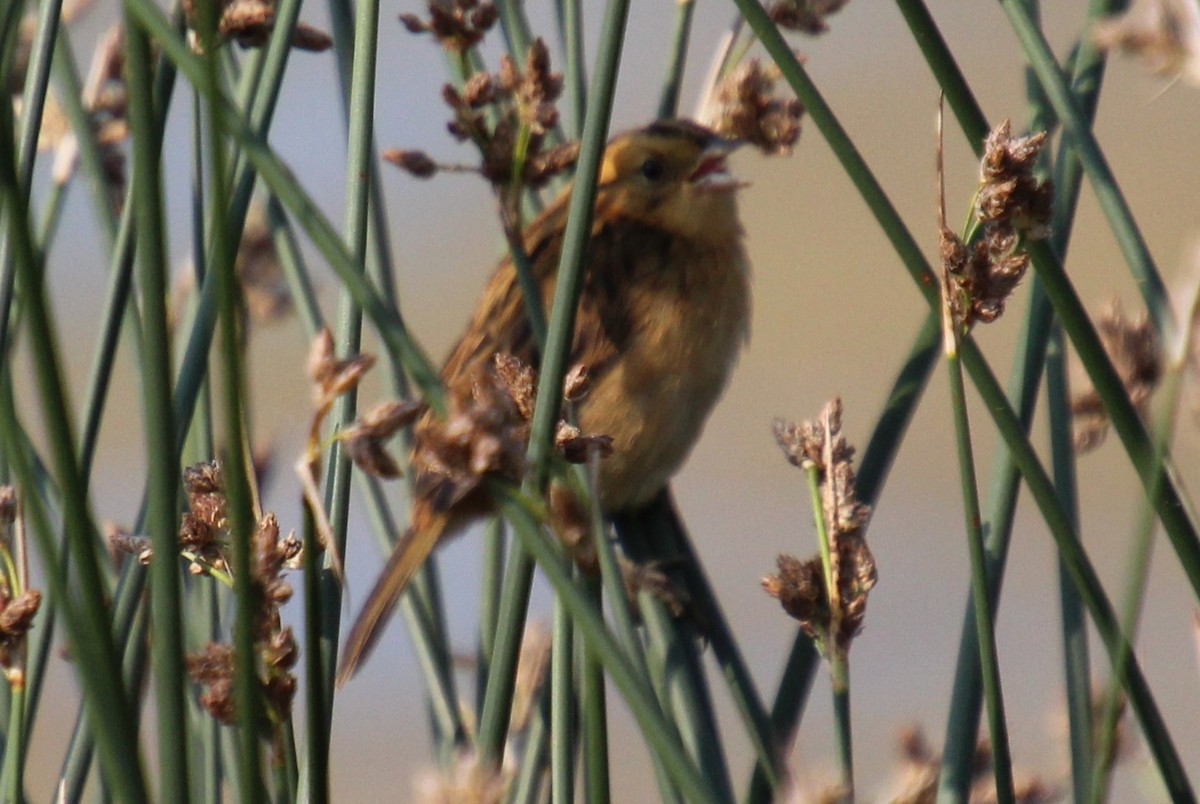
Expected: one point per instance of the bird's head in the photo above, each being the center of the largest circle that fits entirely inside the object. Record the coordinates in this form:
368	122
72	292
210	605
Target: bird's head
671	174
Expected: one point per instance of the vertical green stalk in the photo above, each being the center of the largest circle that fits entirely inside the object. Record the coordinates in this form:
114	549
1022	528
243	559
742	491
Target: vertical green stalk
316	760
489	603
515	26
12	776
360	140
839	661
1076	125
564	725
498	700
37	78
984	625
365	230
88	625
162	483
655	729
527	787
575	72
1087	74
668	103
629	529
247	688
595	714
1178	357
684	692
1076	662
16	576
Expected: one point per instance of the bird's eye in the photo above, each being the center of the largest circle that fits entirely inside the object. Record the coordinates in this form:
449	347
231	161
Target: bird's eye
652	169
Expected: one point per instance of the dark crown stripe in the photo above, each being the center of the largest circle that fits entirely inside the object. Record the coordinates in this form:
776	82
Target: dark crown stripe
681	129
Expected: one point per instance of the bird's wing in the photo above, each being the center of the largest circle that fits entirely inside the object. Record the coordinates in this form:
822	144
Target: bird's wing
616	264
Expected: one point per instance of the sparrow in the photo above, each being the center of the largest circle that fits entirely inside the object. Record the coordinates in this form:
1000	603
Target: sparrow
663	313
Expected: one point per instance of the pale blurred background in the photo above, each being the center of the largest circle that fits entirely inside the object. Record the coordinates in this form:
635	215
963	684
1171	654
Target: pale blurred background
834	314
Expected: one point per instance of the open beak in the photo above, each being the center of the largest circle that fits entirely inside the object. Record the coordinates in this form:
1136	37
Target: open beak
712	173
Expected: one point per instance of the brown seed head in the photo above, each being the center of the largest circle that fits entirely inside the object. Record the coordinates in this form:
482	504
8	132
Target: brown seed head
17	615
805	16
416	163
838	616
333	377
457	25
1136	353
746	108
1163	34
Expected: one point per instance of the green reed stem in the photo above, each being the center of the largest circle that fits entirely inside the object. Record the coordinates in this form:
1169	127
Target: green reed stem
1076	661
1178	355
575	72
985	628
316	760
1168	503
235	474
668	103
33	97
962	724
590	625
394	335
87	621
594	706
564	722
489	603
360	146
498	700
162	518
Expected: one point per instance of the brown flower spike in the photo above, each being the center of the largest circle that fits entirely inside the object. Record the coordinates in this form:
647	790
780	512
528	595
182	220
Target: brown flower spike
18	603
828	601
805	16
1011	205
1134	349
745	107
1164	34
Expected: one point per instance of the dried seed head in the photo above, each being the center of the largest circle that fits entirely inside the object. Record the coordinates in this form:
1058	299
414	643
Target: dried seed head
800	443
519	380
479	90
121	542
17	615
416	163
212	668
458	25
1136	353
579	448
312	40
333	377
799	586
1164	34
577	383
264	288
1010	195
1004	156
484	433
805	16
837	615
746	108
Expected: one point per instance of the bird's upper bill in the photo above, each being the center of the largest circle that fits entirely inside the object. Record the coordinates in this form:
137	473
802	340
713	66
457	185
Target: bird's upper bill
712	173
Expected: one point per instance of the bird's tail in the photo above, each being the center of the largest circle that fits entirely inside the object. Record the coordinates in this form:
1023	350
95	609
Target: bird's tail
409	554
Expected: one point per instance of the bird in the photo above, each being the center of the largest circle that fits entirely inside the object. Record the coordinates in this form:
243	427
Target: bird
663	314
